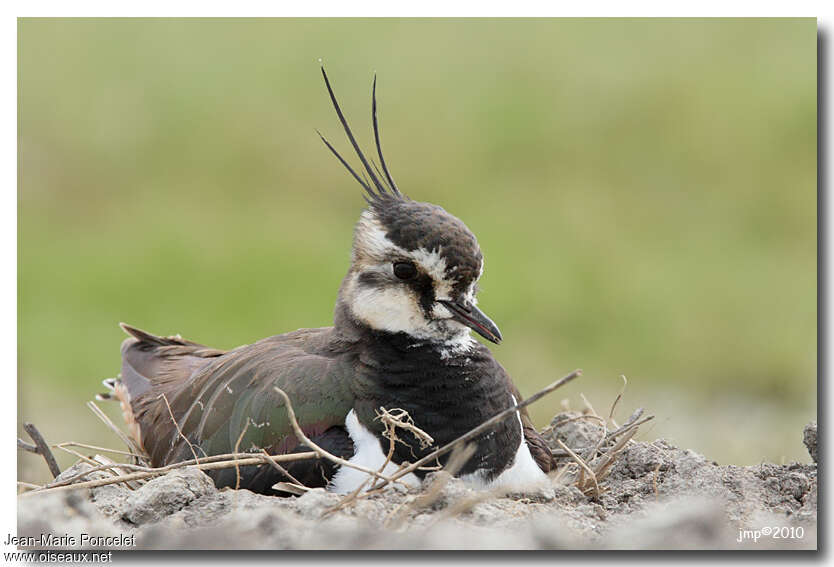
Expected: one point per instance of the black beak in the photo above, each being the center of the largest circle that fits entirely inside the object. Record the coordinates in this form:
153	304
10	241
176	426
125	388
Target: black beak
475	319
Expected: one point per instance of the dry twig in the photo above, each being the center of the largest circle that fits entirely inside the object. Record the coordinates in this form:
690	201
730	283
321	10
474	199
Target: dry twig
236	451
112	427
28	447
179	431
291	488
116	469
617	400
631	424
602	467
229	461
282	470
588	405
570	419
581	462
40	447
97	448
78	455
399	418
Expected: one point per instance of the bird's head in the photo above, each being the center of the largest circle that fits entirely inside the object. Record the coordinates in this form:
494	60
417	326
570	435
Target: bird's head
415	270
414	267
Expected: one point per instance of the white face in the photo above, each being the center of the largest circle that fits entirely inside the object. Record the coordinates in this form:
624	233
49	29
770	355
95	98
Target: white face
378	298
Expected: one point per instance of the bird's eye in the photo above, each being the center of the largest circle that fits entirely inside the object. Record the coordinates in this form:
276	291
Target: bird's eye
405	270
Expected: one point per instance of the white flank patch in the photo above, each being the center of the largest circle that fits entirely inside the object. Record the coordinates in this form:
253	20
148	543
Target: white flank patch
367	453
524	472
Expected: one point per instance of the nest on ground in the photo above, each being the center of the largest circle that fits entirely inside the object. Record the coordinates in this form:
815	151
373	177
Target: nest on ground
584	462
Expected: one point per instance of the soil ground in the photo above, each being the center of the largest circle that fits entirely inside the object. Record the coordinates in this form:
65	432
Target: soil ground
656	496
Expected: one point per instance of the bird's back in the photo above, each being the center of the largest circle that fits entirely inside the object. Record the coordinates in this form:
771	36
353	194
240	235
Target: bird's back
188	401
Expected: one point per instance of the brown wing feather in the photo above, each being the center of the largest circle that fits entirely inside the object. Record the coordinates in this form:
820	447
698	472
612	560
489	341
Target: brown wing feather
149	360
209	396
154	363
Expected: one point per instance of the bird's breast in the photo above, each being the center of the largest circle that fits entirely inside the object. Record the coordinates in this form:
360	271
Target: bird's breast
445	398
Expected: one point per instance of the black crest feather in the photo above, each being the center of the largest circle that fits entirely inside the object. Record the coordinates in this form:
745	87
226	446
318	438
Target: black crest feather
381	187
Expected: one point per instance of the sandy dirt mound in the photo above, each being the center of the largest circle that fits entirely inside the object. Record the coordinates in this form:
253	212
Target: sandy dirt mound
655	496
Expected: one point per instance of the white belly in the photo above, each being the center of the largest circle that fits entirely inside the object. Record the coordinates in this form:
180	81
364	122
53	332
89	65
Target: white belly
367	453
523	473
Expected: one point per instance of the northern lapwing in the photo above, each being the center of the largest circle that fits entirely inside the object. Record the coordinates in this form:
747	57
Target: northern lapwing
400	339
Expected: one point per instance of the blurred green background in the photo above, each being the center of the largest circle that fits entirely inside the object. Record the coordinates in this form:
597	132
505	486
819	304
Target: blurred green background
644	192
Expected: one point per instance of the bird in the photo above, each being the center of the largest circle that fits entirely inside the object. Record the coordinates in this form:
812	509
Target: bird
401	338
